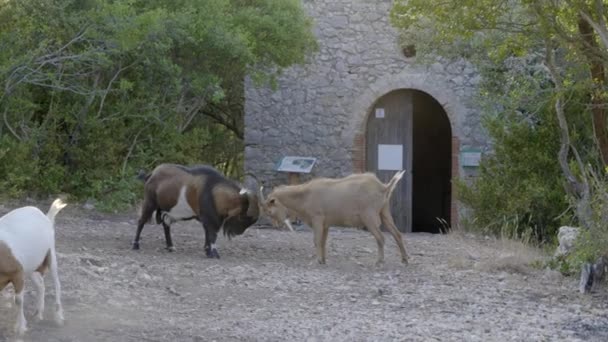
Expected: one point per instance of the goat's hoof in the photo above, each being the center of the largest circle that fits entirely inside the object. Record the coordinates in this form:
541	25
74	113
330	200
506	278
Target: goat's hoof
405	261
321	262
171	249
379	263
38	315
135	246
20	329
59	319
213	254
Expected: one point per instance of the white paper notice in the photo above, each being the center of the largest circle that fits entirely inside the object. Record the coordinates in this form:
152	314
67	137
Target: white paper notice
390	157
379	113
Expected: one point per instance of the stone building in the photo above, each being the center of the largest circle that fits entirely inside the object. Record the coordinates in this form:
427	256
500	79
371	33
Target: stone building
361	104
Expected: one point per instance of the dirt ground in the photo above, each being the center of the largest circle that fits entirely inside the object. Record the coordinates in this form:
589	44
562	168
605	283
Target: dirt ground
268	287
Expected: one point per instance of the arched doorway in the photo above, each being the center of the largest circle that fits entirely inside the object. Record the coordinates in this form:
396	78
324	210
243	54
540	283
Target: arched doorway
408	129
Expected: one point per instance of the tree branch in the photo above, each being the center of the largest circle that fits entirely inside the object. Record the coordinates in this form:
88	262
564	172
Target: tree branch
10	129
105	93
126	159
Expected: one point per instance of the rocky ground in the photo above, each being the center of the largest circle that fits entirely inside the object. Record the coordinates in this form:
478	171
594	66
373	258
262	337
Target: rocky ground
268	287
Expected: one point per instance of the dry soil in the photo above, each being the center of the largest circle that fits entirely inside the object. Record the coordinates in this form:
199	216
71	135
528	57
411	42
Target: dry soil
268	287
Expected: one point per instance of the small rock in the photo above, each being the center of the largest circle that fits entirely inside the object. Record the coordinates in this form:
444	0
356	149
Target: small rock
89	205
172	291
144	276
99	270
91	261
566	237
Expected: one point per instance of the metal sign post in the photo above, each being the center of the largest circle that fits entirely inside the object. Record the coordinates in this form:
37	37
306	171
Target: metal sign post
294	166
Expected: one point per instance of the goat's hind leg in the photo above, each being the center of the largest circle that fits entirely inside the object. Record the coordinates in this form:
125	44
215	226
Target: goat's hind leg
21	323
372	222
59	319
146	214
39	283
388	221
168	240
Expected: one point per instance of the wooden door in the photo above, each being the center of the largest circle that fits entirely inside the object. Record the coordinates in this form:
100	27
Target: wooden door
389	140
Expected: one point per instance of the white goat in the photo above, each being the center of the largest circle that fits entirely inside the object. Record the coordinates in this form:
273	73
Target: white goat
27	248
354	201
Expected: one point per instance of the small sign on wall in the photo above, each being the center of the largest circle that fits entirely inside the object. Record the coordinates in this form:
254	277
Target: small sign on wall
390	157
470	157
296	164
379	113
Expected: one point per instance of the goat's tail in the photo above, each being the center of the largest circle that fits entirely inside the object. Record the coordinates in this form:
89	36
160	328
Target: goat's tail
57	205
392	184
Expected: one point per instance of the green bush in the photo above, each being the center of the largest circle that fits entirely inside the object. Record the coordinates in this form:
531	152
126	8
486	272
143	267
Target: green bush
592	242
18	168
520	188
93	91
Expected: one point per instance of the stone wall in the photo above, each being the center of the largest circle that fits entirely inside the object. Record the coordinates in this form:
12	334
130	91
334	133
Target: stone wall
320	108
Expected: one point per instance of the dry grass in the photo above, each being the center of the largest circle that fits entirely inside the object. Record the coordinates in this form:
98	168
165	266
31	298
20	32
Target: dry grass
491	254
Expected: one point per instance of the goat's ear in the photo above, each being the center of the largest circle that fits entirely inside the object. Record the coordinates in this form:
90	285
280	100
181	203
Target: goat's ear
271	201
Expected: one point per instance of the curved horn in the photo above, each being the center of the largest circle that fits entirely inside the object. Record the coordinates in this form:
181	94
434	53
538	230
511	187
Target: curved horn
261	194
250	174
257	180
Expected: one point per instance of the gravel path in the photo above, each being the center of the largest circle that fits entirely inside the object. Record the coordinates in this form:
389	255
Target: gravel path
268	287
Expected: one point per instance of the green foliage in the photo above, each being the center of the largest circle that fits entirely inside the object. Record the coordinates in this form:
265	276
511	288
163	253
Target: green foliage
92	91
519	187
593	242
16	166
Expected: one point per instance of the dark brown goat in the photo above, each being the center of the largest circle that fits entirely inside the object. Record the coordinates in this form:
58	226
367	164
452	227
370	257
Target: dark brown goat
179	193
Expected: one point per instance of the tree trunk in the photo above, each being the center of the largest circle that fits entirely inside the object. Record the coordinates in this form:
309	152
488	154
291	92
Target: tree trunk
577	188
598	79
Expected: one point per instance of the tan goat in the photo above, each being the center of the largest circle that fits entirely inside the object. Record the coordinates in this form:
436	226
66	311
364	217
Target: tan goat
354	201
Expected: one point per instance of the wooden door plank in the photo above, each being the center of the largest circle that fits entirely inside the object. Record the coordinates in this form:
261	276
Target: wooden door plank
395	128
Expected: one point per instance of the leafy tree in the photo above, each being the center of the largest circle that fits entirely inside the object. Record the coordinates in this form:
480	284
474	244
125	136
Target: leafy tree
92	90
563	44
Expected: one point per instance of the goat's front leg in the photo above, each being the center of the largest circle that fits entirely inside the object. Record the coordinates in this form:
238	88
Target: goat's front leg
210	238
317	228
39	283
210	247
59	319
324	233
8	297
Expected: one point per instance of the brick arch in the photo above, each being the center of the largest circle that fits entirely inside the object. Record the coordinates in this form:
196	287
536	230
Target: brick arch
433	86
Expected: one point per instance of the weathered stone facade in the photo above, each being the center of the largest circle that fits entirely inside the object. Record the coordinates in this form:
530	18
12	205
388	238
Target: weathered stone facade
320	109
